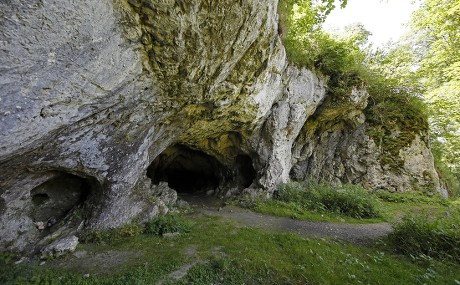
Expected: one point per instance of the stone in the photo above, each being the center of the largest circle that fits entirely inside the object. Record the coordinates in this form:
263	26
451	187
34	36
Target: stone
40	225
51	222
183	205
21	260
59	247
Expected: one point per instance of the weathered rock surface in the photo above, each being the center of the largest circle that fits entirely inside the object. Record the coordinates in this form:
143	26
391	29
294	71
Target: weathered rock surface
103	101
59	247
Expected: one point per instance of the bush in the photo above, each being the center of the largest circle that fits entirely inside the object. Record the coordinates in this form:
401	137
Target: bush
395	116
349	200
411	197
166	224
446	174
9	273
156	226
113	235
307	45
437	237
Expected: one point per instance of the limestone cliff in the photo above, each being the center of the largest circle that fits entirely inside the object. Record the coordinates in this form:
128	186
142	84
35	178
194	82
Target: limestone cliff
102	101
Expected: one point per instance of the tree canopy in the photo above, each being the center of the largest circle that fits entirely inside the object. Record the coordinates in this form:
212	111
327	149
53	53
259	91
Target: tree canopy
436	34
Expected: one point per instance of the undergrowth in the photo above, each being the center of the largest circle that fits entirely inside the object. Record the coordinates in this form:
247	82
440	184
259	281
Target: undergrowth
157	226
348	200
311	201
411	197
166	224
447	176
425	235
395	117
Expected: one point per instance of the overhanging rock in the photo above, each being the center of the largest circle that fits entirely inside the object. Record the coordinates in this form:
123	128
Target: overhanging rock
95	93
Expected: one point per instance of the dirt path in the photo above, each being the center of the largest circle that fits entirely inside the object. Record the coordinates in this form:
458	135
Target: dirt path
359	234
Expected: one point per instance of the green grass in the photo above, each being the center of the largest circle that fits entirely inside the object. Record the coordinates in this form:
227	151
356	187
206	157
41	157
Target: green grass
320	202
294	211
227	253
157	226
436	236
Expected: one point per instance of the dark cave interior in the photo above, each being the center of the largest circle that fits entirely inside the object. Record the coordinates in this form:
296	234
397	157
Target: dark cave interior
194	172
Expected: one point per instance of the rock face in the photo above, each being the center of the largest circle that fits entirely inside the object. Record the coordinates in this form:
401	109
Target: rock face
59	247
104	101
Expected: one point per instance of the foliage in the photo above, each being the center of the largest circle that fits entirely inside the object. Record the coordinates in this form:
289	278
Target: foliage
226	253
157	226
112	235
445	124
389	206
395	116
436	26
437	237
395	112
411	197
166	224
446	174
307	45
10	274
435	42
348	200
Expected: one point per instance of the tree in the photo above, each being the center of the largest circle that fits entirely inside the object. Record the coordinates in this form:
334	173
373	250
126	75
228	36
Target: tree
436	34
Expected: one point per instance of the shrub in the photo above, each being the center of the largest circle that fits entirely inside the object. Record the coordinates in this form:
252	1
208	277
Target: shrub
446	174
9	273
166	224
349	200
156	226
307	45
423	235
113	235
395	116
411	197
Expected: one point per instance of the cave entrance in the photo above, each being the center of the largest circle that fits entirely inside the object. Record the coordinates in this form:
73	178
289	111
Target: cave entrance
246	174
186	170
53	200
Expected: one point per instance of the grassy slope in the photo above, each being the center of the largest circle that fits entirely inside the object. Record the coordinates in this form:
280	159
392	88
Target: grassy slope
391	207
390	212
223	252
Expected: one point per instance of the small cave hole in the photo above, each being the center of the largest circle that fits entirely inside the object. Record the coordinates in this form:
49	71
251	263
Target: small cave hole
2	206
186	170
40	198
55	198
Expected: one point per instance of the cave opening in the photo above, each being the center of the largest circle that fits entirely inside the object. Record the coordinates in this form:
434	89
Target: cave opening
186	170
246	173
54	199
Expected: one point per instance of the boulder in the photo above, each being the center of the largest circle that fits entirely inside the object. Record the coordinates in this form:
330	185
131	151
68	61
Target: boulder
59	247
